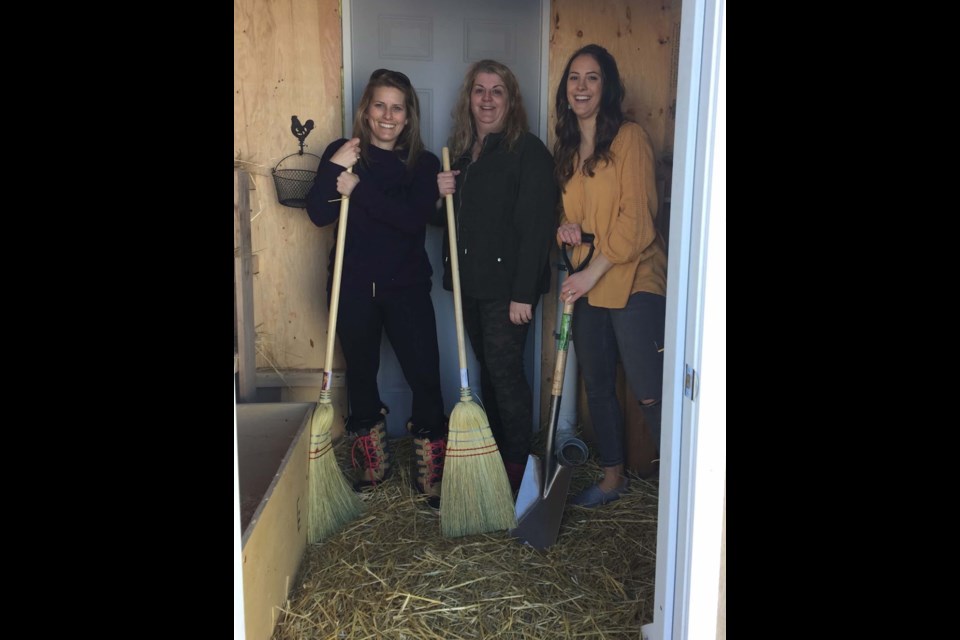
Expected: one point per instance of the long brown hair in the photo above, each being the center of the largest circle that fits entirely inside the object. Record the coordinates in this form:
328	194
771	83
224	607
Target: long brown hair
609	117
464	130
409	141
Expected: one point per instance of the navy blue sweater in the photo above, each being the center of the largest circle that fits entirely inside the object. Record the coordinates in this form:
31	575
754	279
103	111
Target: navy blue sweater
386	222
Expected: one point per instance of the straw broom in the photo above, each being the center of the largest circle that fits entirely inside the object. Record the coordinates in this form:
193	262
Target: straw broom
333	501
476	494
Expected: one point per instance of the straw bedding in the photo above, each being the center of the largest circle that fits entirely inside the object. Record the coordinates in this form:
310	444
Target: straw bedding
391	574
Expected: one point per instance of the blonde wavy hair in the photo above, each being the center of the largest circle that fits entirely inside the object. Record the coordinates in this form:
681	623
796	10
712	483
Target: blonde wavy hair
464	129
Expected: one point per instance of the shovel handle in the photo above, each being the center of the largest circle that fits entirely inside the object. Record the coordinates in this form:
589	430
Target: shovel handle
584	237
561	363
560	366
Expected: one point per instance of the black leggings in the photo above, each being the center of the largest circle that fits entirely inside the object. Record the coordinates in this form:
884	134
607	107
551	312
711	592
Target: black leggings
408	318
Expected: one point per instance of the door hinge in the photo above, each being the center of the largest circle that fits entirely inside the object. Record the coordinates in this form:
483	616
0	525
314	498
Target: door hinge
690	383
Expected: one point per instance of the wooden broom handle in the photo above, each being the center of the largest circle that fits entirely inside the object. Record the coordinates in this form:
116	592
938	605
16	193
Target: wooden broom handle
455	265
335	292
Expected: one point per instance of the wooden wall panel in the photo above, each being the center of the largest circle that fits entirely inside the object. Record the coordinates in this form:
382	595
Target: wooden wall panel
287	61
641	35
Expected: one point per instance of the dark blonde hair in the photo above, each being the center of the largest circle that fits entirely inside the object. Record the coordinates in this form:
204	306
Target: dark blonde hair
464	130
409	142
609	117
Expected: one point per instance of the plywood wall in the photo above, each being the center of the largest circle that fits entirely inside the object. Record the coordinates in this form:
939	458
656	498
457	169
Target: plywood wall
287	61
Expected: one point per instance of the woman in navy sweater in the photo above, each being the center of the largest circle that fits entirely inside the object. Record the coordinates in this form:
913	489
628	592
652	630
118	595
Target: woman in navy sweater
385	284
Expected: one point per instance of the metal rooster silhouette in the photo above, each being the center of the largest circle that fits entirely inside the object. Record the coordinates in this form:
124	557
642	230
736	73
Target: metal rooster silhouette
301	131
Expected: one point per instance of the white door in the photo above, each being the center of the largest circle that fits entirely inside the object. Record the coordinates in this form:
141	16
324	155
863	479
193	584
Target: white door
434	42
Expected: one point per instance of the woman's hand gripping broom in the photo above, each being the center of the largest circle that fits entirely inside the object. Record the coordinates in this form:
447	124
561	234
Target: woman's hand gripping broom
476	494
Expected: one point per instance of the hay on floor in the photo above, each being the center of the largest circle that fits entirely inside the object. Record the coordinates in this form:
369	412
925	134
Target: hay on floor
390	573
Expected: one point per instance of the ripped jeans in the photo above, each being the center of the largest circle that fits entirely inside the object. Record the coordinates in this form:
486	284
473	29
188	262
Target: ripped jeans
633	334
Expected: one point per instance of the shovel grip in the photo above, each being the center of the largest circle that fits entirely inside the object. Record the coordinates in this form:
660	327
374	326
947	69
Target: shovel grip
584	237
559	369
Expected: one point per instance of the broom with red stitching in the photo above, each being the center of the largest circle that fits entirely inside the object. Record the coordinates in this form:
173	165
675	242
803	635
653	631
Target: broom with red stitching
476	494
333	501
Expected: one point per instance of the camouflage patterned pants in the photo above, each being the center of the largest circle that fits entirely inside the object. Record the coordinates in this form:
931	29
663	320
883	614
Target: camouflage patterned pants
507	399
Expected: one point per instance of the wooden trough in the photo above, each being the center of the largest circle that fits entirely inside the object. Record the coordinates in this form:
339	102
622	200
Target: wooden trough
272	443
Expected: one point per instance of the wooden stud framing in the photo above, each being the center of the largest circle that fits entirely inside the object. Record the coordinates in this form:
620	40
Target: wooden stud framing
243	281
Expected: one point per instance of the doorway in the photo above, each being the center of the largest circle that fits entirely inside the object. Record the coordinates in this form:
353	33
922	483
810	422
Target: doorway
434	42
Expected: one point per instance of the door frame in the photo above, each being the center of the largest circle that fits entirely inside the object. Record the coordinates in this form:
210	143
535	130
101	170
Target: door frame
692	474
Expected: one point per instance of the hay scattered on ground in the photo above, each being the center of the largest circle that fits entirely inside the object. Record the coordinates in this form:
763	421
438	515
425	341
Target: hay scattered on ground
390	573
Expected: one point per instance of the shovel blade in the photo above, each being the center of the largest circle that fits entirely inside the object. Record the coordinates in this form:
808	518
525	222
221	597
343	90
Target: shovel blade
531	486
540	504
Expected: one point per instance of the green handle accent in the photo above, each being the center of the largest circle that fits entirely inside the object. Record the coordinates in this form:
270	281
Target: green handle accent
564	332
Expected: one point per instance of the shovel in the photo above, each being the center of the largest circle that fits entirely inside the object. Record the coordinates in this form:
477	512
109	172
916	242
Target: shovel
543	492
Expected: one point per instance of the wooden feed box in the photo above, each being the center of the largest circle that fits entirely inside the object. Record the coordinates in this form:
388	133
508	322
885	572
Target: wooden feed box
272	443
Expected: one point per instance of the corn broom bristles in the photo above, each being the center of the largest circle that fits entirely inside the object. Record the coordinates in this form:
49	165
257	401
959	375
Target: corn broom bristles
475	495
333	502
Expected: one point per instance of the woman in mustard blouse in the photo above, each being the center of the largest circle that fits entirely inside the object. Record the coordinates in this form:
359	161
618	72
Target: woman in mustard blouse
605	166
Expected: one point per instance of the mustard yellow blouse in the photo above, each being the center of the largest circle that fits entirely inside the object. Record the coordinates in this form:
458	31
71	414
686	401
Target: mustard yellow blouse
619	205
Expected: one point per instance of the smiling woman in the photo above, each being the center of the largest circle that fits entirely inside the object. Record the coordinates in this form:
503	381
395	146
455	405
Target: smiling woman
606	169
505	217
488	104
386	117
390	181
